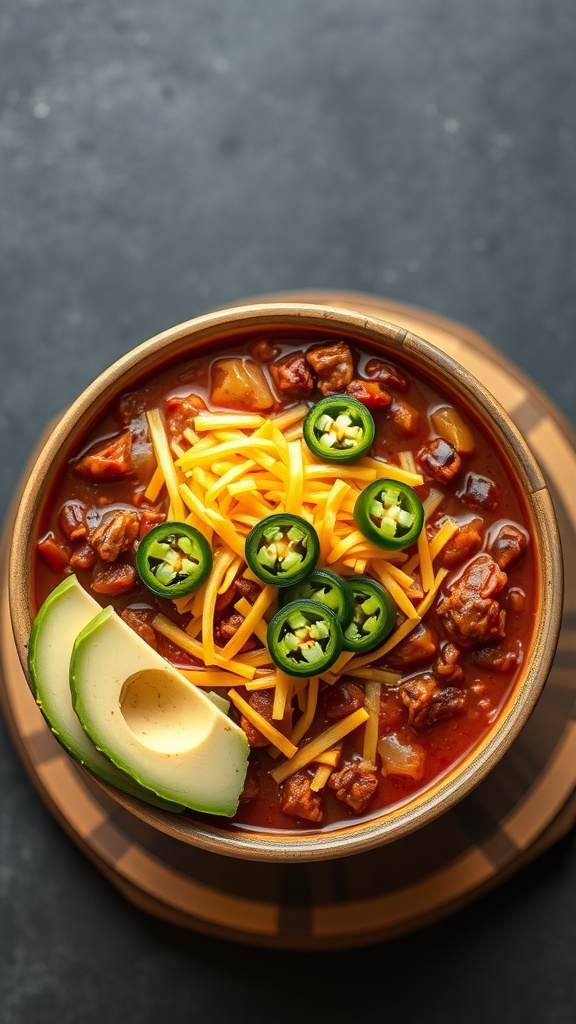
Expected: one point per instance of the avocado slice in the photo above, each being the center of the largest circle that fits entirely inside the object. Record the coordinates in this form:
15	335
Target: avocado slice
152	722
66	610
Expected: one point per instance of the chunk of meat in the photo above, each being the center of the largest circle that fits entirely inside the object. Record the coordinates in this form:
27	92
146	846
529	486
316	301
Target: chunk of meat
508	545
83	557
470	614
263	351
115	535
107	460
447	669
180	413
299	800
387	374
439	460
341	699
427	703
480	492
148	519
370	393
420	645
332	365
355	784
131	405
240	587
113	579
139	619
499	658
226	628
247	588
262	702
53	552
405	759
251	783
464	543
405	417
292	376
72	519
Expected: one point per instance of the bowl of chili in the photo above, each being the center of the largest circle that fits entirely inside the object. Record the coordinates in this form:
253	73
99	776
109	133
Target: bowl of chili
333	530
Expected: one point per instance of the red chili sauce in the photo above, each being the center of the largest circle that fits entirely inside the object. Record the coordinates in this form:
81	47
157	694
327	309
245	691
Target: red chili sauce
456	669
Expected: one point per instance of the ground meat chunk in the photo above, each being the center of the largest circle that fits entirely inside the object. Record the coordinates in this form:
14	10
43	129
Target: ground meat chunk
83	557
299	801
447	669
427	703
251	783
227	627
439	460
263	351
341	699
113	579
464	543
499	658
139	620
247	588
386	374
180	414
72	519
470	614
292	376
262	702
354	784
108	460
332	365
132	405
370	393
115	534
405	417
420	645
508	545
479	491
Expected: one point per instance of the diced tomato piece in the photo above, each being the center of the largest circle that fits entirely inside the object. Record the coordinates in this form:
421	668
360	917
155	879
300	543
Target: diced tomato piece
53	553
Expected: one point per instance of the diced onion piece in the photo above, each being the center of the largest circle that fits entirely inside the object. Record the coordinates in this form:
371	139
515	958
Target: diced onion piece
407	760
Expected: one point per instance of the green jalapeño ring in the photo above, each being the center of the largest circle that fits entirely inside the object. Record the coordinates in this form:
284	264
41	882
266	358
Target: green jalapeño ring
373	615
323	586
173	559
282	549
389	514
304	638
339	429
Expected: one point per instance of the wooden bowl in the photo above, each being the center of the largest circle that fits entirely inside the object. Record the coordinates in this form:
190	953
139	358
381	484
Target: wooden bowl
225	328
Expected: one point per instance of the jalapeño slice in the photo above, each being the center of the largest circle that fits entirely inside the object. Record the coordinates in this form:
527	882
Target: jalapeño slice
389	514
323	586
282	549
339	429
173	559
373	614
304	638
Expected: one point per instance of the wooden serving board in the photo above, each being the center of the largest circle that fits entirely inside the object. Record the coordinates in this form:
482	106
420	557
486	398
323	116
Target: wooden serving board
526	803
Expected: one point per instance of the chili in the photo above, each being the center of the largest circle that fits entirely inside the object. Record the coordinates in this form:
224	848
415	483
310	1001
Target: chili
389	514
373	614
282	549
173	559
304	638
339	429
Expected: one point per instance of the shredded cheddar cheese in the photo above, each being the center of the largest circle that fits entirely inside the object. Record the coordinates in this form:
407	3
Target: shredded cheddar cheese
231	470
